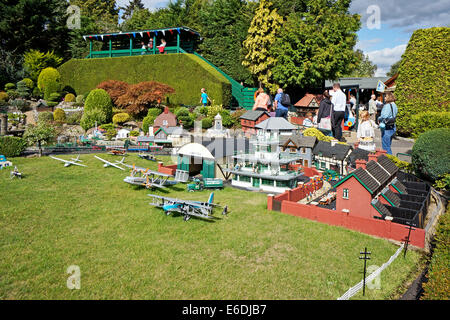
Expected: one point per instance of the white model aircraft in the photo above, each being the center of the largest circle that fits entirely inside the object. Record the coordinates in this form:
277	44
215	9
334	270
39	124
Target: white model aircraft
110	164
70	162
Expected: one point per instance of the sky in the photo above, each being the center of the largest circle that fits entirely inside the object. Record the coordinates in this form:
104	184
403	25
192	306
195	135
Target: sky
386	41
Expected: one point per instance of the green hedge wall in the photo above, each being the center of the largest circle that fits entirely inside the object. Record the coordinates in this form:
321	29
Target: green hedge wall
186	73
424	76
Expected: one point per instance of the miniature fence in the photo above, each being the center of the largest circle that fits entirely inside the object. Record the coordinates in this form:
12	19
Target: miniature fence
352	291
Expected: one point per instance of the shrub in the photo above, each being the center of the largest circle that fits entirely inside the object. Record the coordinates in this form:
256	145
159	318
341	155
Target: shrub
207	123
90	117
107	126
10	86
421	83
185	117
29	83
59	115
121	118
98	99
3	96
49	82
70	97
74	118
110	133
54	99
429	120
402	165
313	132
115	88
46	116
20	104
134	133
443	183
79	99
35	61
23	90
436	288
430	154
152	114
12	146
37	93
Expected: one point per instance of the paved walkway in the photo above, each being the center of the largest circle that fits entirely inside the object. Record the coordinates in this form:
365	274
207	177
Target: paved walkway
399	145
325	188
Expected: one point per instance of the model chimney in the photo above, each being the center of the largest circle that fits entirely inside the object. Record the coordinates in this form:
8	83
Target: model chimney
373	157
360	164
380	152
166	110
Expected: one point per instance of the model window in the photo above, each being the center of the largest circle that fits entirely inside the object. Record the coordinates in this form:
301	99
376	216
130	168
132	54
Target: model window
345	194
165	123
303	150
293	150
323	165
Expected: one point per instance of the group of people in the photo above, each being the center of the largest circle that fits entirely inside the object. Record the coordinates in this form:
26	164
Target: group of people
149	46
332	111
277	107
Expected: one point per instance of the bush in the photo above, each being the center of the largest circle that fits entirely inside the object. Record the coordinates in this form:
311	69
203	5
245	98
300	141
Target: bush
46	116
98	99
121	118
49	82
35	61
74	118
79	99
86	74
37	93
152	114
429	120
70	97
12	146
89	119
10	86
20	104
107	126
59	115
443	183
430	154
110	133
313	132
134	133
421	84
436	288
402	165
185	117
4	96
207	123
29	83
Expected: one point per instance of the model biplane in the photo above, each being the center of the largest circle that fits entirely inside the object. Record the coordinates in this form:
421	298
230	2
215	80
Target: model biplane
147	178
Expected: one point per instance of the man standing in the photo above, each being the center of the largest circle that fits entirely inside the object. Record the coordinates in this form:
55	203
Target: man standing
373	107
339	101
280	109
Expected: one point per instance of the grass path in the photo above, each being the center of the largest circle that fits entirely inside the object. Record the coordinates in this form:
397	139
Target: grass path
56	217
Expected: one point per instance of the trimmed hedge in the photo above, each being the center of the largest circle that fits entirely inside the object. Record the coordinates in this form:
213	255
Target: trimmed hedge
12	146
431	154
429	120
121	118
99	99
59	115
422	84
437	287
186	73
70	97
49	82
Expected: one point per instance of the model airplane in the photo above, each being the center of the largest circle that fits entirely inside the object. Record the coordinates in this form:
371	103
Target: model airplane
147	178
186	208
117	152
147	156
70	162
110	164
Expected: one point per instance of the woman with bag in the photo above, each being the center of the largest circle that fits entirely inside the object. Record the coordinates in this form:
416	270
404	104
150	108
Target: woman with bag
387	122
325	112
366	132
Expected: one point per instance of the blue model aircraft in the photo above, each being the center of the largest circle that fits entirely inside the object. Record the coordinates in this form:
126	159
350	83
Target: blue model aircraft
187	208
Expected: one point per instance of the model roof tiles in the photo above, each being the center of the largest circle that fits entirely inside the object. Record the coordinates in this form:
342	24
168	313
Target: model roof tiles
299	140
387	164
381	208
275	123
400	186
380	174
392	197
365	178
253	115
326	149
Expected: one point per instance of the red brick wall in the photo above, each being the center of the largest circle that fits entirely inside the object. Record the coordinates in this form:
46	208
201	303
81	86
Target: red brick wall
359	202
167	169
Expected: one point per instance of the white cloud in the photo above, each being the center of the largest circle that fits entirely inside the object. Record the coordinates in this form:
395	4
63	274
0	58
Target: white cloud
385	58
366	44
150	4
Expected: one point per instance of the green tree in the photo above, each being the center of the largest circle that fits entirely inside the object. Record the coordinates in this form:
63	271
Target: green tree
40	134
49	81
364	67
104	12
36	61
91	118
316	44
98	99
132	6
394	69
78	47
262	34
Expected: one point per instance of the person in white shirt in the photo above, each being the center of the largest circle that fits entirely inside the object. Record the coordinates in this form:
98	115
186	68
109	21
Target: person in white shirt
339	101
308	122
366	132
373	107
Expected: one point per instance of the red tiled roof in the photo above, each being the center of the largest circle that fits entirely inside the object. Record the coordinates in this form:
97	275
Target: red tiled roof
306	100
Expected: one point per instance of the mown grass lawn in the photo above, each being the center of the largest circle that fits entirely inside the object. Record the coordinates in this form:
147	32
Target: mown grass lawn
57	217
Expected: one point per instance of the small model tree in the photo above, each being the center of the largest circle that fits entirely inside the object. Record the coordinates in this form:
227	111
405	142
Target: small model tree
59	115
139	97
121	118
98	99
39	134
36	61
49	82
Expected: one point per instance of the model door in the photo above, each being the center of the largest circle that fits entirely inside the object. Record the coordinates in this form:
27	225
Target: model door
255	182
306	164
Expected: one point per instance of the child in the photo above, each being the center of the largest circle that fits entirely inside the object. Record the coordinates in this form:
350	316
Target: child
308	122
366	132
204	98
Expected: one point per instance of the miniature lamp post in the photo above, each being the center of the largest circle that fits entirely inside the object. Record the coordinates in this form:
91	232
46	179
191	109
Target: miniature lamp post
365	258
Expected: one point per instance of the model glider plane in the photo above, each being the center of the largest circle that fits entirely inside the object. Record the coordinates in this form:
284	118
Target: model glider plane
187	208
70	162
111	164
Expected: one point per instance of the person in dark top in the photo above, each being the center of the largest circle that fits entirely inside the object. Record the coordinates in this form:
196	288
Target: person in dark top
324	107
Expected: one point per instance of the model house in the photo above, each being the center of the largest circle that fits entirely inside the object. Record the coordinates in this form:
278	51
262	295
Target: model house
299	145
218	131
166	119
266	169
309	103
123	134
250	119
332	156
276	124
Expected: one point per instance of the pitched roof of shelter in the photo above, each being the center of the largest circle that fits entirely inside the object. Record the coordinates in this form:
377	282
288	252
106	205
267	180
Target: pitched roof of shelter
307	99
326	149
253	115
299	140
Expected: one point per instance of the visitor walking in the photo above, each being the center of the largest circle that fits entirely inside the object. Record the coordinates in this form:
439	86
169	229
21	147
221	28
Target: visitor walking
387	122
324	115
281	104
204	98
339	104
366	132
262	101
373	105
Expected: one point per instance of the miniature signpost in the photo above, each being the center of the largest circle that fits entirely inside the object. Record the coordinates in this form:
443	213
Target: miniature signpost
365	258
407	241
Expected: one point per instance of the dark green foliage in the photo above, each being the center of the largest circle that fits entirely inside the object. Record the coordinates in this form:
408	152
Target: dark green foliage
207	123
23	90
45	116
394	69
12	146
107	126
90	118
431	154
74	117
422	83
84	75
20	104
184	117
364	67
437	286
152	114
429	120
110	133
98	99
